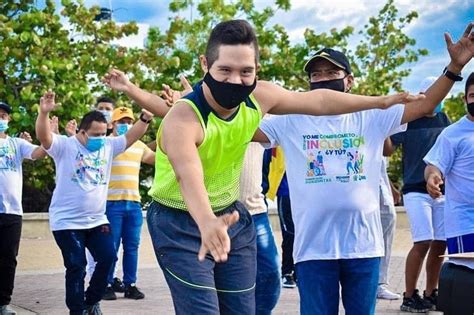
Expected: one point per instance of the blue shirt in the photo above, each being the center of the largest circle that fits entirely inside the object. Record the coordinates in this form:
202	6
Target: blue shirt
416	141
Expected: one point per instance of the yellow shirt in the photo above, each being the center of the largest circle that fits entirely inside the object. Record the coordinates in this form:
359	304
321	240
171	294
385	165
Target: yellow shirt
124	178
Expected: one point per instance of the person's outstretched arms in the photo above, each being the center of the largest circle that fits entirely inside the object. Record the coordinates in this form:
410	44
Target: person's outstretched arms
277	100
118	81
460	53
43	127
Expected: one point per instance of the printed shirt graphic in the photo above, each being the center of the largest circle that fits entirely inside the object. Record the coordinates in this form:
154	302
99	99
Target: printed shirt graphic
82	179
334	157
333	168
12	153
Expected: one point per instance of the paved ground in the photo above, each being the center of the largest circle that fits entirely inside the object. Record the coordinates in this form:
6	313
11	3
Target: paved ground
39	287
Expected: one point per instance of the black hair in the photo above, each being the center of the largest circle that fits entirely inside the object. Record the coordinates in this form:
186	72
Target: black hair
89	118
105	99
469	82
233	32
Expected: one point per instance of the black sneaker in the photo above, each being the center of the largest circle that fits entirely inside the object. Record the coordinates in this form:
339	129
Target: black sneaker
109	294
288	281
118	286
132	292
94	309
414	304
431	300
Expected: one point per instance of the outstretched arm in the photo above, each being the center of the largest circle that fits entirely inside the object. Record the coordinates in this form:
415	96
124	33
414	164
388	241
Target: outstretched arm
277	100
43	128
461	53
118	81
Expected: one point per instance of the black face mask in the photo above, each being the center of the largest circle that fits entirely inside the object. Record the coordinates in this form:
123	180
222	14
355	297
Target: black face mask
228	95
470	108
335	85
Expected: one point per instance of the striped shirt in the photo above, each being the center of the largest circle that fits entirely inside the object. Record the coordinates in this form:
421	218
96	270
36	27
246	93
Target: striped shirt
124	179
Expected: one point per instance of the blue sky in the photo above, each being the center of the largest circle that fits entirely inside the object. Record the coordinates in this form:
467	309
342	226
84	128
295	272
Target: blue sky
435	18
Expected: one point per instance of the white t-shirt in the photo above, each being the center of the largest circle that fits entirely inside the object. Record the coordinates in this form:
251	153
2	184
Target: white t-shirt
453	155
82	179
333	169
12	153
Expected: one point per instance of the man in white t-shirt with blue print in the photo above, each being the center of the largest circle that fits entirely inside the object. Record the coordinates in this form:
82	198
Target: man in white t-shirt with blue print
12	153
77	211
338	234
451	161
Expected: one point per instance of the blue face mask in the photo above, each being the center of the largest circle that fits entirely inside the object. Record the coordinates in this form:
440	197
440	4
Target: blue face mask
122	129
3	125
439	107
95	143
107	114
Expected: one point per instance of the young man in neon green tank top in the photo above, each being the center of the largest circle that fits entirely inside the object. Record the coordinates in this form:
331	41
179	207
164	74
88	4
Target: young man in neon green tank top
201	145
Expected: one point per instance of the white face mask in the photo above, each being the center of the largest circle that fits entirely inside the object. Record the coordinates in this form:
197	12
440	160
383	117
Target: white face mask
107	114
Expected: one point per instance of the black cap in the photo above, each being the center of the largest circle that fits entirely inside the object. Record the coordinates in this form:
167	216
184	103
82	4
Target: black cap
5	107
335	57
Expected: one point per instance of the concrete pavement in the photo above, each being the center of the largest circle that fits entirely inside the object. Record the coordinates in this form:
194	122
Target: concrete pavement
39	286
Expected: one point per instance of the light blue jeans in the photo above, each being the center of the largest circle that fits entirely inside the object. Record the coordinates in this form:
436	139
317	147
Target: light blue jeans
318	285
126	221
268	286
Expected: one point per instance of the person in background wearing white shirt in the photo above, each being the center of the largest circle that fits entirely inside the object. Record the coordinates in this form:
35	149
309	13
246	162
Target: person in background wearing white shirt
451	161
338	233
12	153
77	211
388	218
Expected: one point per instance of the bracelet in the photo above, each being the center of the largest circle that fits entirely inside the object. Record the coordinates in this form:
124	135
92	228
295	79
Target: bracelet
451	75
142	118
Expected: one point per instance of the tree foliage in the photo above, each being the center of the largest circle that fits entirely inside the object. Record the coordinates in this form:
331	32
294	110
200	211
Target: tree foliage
68	51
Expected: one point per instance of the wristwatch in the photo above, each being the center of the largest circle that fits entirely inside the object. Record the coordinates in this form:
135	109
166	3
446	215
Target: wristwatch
142	118
451	75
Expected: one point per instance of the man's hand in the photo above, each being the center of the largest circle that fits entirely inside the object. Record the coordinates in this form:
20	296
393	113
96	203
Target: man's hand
433	185
116	80
214	237
171	96
26	136
400	98
71	127
462	51
47	103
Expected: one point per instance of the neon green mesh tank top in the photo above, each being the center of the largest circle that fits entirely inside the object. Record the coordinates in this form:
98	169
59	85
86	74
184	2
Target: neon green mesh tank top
221	152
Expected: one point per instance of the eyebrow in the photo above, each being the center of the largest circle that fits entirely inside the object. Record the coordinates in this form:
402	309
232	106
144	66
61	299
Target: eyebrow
228	67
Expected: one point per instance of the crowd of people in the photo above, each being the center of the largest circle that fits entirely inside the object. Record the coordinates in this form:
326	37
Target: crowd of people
208	217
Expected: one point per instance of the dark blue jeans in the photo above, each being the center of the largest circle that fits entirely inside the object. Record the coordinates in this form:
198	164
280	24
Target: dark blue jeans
204	287
268	286
73	243
10	232
287	233
318	285
126	221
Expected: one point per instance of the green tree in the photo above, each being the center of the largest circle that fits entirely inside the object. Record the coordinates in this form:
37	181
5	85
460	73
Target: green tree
41	52
454	107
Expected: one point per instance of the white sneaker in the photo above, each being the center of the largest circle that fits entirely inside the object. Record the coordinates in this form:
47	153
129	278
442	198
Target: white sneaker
385	294
6	310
